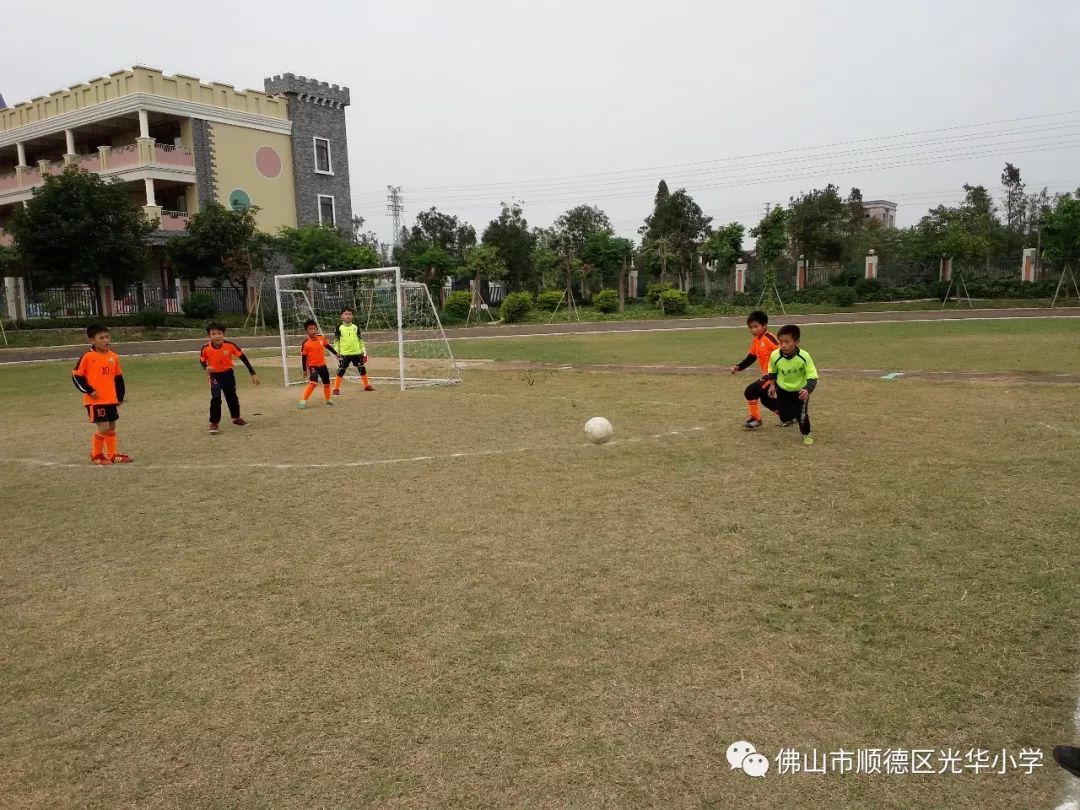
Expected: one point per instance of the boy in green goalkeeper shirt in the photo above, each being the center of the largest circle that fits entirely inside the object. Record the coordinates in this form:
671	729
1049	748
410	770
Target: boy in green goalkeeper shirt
350	346
791	378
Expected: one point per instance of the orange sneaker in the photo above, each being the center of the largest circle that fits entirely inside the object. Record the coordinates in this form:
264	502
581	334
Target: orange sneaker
120	458
99	459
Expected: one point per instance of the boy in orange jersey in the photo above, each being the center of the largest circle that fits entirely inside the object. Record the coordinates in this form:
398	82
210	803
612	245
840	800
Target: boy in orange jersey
313	361
98	376
216	358
762	346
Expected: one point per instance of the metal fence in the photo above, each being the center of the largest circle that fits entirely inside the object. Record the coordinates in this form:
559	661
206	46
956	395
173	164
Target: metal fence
61	302
226	299
142	297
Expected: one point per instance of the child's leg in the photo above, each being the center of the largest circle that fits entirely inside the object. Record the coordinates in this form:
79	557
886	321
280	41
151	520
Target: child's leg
228	388
756	396
215	399
110	439
343	365
97	443
363	375
791	409
324	375
308	389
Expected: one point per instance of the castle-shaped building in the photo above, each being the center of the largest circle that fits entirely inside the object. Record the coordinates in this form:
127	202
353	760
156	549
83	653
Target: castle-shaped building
179	143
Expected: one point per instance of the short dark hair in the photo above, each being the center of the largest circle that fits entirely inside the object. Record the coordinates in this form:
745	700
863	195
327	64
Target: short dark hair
215	326
347	309
790	329
95	329
311	322
757	316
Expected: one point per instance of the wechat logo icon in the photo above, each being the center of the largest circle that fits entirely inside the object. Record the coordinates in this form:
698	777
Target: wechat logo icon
742	756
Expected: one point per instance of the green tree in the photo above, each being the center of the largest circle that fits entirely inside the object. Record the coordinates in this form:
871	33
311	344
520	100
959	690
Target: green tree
609	256
723	249
434	247
969	232
315	248
771	235
568	237
1061	232
222	244
543	260
679	219
78	228
483	263
817	222
1013	199
509	234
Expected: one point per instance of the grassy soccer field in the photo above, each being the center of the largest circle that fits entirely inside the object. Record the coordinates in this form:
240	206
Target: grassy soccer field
445	598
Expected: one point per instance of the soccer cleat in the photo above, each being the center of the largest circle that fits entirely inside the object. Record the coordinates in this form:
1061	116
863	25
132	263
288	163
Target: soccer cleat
1068	757
788	423
99	459
239	421
750	424
213	428
337	393
301	405
808	439
369	388
120	458
330	402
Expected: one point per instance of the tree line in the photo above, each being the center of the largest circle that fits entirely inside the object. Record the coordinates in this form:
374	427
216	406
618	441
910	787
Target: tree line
79	228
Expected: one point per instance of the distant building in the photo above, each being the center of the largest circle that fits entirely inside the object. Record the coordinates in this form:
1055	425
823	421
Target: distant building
883	211
180	143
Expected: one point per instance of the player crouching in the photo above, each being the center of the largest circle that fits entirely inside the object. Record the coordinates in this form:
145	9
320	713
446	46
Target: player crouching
792	377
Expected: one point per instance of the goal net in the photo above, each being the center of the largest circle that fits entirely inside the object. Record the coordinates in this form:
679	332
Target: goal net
402	333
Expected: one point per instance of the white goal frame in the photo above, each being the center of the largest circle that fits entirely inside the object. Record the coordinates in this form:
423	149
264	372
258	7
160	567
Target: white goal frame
283	285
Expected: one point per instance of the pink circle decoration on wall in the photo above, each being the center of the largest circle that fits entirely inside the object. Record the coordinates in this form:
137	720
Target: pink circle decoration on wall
268	162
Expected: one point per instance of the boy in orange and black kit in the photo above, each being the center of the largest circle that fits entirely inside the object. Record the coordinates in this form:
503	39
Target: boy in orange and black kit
313	360
761	348
98	376
216	358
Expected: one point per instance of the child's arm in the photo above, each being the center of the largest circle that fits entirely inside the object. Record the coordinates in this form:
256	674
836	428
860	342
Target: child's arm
811	378
247	364
78	378
333	351
744	364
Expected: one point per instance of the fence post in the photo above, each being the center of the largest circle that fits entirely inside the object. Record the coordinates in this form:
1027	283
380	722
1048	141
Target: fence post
1027	267
740	277
871	264
800	273
15	293
106	289
945	269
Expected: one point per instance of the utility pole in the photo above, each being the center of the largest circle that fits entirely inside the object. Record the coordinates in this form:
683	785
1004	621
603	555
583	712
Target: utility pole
395	204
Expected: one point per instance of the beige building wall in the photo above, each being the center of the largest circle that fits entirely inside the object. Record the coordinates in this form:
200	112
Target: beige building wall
244	160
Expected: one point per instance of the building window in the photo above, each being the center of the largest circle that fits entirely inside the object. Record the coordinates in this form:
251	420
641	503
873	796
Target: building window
326	211
239	199
322	156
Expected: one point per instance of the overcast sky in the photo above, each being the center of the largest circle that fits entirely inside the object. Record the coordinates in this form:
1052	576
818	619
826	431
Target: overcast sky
562	102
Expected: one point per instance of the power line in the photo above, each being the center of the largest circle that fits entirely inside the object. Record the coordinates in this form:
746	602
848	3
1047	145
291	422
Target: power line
587	176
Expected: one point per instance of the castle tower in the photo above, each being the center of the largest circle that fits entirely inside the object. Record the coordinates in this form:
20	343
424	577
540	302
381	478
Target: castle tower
320	149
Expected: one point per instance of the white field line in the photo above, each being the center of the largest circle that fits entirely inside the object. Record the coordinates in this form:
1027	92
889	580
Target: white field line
77	346
1060	429
334	465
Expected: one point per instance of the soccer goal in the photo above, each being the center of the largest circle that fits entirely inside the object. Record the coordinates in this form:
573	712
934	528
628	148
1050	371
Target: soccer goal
403	336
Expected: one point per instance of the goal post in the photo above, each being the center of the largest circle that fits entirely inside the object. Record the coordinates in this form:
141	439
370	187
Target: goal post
398	321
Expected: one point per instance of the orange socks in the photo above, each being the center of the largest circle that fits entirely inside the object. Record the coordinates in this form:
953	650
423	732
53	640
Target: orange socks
110	444
326	392
337	383
363	379
755	409
307	391
97	445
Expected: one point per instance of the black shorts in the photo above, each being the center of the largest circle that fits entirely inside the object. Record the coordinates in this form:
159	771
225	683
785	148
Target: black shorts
103	413
350	360
316	373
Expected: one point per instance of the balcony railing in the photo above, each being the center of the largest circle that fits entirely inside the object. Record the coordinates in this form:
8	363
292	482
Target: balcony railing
106	160
174	221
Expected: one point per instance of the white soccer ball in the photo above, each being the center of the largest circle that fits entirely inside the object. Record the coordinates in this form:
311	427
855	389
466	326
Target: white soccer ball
598	430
